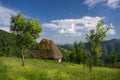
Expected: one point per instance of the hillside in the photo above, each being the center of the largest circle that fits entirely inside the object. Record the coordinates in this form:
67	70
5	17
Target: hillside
36	69
8	44
107	47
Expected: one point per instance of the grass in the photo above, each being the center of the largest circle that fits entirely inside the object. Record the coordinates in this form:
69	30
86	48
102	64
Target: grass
37	69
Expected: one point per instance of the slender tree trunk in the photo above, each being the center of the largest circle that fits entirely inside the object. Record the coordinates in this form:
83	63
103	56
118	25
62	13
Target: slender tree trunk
23	57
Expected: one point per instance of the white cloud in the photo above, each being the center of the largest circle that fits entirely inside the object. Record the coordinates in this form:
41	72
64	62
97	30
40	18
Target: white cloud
5	29
111	31
50	25
61	31
73	27
91	3
114	4
69	30
5	17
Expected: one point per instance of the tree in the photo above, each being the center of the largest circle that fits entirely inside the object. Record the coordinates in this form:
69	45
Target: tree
94	40
113	57
81	54
72	57
76	52
26	31
65	53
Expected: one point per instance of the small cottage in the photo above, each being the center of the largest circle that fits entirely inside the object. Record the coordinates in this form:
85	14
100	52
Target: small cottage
47	50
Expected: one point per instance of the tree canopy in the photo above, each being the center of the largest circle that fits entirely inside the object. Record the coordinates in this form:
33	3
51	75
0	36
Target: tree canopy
26	31
94	40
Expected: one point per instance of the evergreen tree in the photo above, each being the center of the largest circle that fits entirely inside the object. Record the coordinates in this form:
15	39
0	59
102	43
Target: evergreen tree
113	57
81	52
76	52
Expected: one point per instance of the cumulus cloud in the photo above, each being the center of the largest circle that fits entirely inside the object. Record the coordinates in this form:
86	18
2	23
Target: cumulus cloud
74	27
114	4
5	17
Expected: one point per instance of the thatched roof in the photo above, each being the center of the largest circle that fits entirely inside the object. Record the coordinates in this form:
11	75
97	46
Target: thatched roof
47	49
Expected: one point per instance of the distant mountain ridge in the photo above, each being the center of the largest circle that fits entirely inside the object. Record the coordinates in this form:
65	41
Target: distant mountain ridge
107	46
110	45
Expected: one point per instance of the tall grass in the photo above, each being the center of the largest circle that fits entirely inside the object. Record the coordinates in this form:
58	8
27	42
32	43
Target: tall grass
37	69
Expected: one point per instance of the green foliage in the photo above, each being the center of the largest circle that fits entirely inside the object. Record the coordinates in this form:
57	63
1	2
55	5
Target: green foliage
8	44
112	59
106	46
66	53
35	69
94	40
114	56
75	54
109	46
72	57
26	31
115	65
79	52
9	48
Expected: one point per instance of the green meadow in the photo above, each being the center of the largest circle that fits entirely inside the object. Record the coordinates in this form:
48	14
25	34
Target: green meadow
38	69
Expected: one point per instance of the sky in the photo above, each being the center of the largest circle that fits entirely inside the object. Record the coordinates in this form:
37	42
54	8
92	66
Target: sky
64	21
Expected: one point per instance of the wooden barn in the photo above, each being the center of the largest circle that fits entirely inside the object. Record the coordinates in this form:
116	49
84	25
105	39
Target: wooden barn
47	50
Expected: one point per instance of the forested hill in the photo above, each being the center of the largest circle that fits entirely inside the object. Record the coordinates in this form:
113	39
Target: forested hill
7	44
107	46
110	45
9	48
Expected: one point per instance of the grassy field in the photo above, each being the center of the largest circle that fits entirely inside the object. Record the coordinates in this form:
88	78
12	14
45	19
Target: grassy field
36	69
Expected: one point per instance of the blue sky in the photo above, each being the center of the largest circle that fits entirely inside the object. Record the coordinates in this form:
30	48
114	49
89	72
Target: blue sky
64	21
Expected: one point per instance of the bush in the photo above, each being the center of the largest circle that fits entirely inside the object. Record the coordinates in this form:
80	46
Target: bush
116	65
